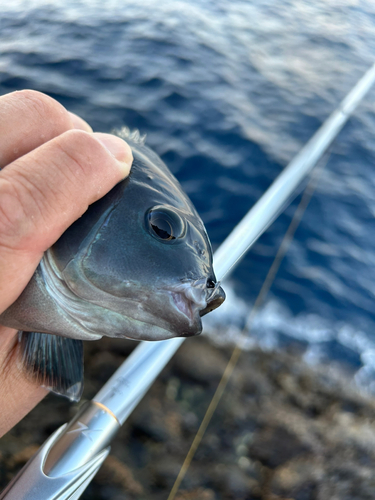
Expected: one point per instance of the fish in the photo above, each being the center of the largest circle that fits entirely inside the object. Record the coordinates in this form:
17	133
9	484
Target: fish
137	265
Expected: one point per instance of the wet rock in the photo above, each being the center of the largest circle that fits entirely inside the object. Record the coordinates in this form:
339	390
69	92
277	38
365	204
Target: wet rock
164	472
198	362
298	478
114	471
196	494
275	446
282	430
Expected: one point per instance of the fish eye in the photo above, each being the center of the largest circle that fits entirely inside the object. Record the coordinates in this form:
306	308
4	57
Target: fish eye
165	224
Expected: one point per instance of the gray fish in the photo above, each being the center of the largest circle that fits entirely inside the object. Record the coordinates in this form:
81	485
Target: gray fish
137	264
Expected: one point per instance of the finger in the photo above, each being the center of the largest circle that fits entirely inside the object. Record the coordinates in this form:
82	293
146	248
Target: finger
79	123
44	192
29	119
17	394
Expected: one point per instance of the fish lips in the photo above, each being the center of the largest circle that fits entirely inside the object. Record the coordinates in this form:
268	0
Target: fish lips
193	301
214	301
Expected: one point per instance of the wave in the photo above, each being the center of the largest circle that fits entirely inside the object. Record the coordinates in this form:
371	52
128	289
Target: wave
320	340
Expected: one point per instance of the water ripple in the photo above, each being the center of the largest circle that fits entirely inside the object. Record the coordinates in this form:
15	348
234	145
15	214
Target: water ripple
228	92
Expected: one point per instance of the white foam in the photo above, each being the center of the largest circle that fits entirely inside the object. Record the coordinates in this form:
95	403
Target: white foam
225	326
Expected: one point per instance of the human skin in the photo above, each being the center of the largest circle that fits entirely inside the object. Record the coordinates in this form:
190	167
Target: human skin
52	168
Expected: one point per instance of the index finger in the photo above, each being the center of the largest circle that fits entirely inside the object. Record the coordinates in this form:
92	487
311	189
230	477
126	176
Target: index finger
28	119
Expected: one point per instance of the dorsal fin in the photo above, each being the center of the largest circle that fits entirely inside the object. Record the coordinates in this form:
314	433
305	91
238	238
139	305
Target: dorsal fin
133	135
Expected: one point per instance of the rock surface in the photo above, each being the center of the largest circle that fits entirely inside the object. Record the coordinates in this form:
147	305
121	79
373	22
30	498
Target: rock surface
282	431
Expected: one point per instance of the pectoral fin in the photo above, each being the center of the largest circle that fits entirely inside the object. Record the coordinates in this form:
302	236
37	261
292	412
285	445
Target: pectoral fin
55	362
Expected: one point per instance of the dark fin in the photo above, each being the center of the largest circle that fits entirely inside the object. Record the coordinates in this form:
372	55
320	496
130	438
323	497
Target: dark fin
55	362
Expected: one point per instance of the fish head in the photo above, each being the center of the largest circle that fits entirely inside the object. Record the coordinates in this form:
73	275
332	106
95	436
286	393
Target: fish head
138	264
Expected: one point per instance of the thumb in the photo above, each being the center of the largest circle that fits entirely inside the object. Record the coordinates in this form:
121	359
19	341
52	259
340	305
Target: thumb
43	192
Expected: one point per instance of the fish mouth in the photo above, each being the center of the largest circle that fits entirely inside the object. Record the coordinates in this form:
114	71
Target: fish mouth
194	299
171	310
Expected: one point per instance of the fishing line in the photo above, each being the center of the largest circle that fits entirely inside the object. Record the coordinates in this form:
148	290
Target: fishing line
238	349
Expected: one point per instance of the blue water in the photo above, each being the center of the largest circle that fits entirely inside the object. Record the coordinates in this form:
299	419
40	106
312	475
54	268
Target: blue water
228	93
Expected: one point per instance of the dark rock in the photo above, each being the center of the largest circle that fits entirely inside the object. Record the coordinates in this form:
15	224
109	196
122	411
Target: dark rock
198	362
275	446
282	430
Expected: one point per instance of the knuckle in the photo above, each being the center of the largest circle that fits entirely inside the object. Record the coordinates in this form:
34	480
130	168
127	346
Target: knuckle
14	213
80	139
81	151
47	192
42	107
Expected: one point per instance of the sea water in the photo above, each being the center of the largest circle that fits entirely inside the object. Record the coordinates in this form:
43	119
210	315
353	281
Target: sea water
228	93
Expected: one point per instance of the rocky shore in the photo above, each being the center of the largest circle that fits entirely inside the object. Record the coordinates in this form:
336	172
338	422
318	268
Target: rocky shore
283	430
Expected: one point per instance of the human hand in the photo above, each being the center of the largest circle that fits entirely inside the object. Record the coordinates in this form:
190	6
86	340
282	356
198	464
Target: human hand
52	168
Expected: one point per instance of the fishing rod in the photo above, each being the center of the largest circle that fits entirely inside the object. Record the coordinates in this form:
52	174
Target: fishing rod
66	463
